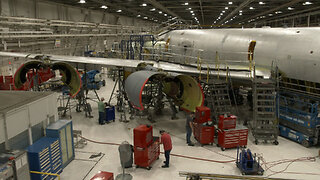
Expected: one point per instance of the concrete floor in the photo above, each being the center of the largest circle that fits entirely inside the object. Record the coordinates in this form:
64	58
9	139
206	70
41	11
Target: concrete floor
84	168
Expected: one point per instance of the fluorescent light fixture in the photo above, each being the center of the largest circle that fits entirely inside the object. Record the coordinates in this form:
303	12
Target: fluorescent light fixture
221	14
153	9
226	8
145	17
251	8
144	4
165	14
189	8
104	7
223	11
290	8
240	11
278	12
261	3
191	12
139	15
307	3
240	14
119	11
270	14
82	1
160	12
186	4
230	3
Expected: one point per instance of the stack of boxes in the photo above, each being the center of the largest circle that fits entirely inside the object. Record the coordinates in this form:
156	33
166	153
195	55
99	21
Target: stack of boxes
203	128
146	146
229	134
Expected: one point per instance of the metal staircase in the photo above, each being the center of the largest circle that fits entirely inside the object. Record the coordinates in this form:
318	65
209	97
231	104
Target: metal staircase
265	122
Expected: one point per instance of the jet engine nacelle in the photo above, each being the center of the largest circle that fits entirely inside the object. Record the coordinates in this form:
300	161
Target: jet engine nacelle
70	76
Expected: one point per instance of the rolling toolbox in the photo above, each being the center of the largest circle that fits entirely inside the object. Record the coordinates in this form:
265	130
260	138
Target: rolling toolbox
204	134
146	147
110	114
202	114
227	122
233	137
103	175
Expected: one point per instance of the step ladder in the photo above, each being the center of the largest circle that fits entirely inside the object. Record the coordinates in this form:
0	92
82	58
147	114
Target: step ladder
217	97
264	126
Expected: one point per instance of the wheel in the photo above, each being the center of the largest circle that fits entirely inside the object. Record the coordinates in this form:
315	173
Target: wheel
148	167
275	142
305	143
223	149
256	142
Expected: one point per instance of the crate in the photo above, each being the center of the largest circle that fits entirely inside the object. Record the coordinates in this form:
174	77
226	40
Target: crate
233	137
144	157
202	114
45	156
110	114
227	122
103	175
204	134
142	136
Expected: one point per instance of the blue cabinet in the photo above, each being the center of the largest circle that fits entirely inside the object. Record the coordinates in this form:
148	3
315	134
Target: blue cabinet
62	130
45	156
110	113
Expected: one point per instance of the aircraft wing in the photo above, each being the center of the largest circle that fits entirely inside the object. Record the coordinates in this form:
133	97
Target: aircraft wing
236	71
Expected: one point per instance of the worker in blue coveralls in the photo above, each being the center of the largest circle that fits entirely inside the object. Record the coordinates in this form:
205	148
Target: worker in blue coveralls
102	110
189	127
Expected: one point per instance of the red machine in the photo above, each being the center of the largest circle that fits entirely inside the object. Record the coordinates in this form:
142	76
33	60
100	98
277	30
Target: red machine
227	122
204	134
233	137
202	114
146	147
103	175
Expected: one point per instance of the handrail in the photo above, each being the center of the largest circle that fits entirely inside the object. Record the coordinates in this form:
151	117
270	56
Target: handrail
50	174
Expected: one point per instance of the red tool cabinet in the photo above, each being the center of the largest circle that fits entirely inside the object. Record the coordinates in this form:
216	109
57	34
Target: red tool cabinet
233	137
202	114
227	122
103	175
146	146
204	134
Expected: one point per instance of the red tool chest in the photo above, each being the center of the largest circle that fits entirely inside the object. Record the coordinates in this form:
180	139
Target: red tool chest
146	146
202	114
103	175
233	137
203	134
144	157
142	136
227	122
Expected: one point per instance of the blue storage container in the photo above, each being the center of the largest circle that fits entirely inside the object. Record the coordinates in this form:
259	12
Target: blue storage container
45	156
62	130
110	114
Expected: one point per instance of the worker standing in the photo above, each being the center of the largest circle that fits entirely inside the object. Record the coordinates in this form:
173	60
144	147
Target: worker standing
167	146
102	110
189	128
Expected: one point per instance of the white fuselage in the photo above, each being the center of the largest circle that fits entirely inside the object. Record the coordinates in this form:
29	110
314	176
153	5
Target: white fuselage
296	51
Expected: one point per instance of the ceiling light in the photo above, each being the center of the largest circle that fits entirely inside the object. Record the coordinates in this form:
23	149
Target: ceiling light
240	11
139	15
193	14
104	7
240	14
119	11
153	9
160	12
270	14
307	3
186	4
82	1
144	4
251	8
223	11
165	14
189	8
230	3
290	8
261	3
221	14
226	8
191	11
145	17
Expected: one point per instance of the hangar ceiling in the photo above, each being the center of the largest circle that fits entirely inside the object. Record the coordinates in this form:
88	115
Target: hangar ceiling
207	12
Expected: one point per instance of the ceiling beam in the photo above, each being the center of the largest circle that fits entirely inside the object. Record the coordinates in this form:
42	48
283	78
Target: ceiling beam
274	9
201	11
164	9
241	6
